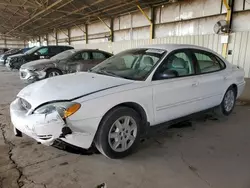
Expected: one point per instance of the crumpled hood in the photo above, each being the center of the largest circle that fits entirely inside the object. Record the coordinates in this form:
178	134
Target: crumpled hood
68	87
37	63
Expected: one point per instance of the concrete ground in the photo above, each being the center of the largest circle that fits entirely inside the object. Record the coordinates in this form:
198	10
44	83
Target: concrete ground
210	153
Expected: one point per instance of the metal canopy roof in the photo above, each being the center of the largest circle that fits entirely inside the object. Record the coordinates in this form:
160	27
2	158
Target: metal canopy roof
26	18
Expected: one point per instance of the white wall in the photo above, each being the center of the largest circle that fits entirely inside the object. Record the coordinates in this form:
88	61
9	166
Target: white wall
2	43
11	43
189	21
239	44
189	17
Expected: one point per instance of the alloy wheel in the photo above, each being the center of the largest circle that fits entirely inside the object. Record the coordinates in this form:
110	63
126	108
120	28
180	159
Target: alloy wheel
229	100
122	134
52	74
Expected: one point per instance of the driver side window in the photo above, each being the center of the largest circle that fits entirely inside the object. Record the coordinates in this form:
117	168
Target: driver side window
178	64
82	56
43	51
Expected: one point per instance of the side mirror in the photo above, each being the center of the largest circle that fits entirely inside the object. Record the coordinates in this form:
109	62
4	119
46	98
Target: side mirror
166	74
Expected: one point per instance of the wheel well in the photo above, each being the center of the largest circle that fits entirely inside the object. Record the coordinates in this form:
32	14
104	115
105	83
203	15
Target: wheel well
139	109
54	69
234	86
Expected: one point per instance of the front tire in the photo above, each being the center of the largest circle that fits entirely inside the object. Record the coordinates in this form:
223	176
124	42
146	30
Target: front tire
118	134
228	103
52	73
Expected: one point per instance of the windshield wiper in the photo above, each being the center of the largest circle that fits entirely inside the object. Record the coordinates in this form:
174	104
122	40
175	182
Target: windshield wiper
104	72
108	73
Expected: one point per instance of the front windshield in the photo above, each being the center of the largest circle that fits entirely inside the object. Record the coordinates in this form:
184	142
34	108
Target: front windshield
133	64
32	50
63	55
12	51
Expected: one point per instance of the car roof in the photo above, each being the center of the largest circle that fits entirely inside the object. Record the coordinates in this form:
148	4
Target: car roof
55	46
171	47
97	50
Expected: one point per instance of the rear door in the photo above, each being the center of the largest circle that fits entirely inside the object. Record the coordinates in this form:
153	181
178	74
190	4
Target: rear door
54	50
41	53
212	78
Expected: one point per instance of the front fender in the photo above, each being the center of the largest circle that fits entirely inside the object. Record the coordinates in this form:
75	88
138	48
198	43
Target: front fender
95	106
49	66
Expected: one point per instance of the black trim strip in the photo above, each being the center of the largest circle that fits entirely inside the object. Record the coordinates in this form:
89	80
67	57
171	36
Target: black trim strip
96	92
69	100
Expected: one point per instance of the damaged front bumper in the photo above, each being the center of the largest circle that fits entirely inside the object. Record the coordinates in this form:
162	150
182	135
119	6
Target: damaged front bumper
2	62
47	128
8	66
43	128
29	76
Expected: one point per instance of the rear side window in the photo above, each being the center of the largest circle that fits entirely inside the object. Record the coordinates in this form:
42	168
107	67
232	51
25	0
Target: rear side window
67	48
108	55
208	62
98	55
56	50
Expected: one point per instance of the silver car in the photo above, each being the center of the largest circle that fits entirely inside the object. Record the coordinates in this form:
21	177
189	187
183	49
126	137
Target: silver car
66	62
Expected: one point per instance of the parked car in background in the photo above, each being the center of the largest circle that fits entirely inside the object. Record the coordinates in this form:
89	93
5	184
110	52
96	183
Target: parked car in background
26	49
11	52
66	62
114	103
3	50
41	52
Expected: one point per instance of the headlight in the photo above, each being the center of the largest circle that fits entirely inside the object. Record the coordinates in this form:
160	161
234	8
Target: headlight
65	109
36	69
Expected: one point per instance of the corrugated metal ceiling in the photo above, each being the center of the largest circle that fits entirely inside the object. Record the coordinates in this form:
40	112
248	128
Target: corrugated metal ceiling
26	18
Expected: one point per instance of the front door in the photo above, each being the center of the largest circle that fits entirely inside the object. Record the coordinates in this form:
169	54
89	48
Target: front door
42	53
97	57
79	62
84	61
176	96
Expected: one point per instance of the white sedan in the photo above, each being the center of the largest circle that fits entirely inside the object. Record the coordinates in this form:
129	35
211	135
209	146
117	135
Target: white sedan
113	104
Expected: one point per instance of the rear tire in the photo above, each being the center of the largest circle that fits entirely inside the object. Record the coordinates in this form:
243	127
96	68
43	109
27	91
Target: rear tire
118	134
227	105
52	73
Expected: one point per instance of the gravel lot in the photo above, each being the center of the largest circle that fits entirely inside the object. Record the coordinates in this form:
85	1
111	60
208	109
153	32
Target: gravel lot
210	153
